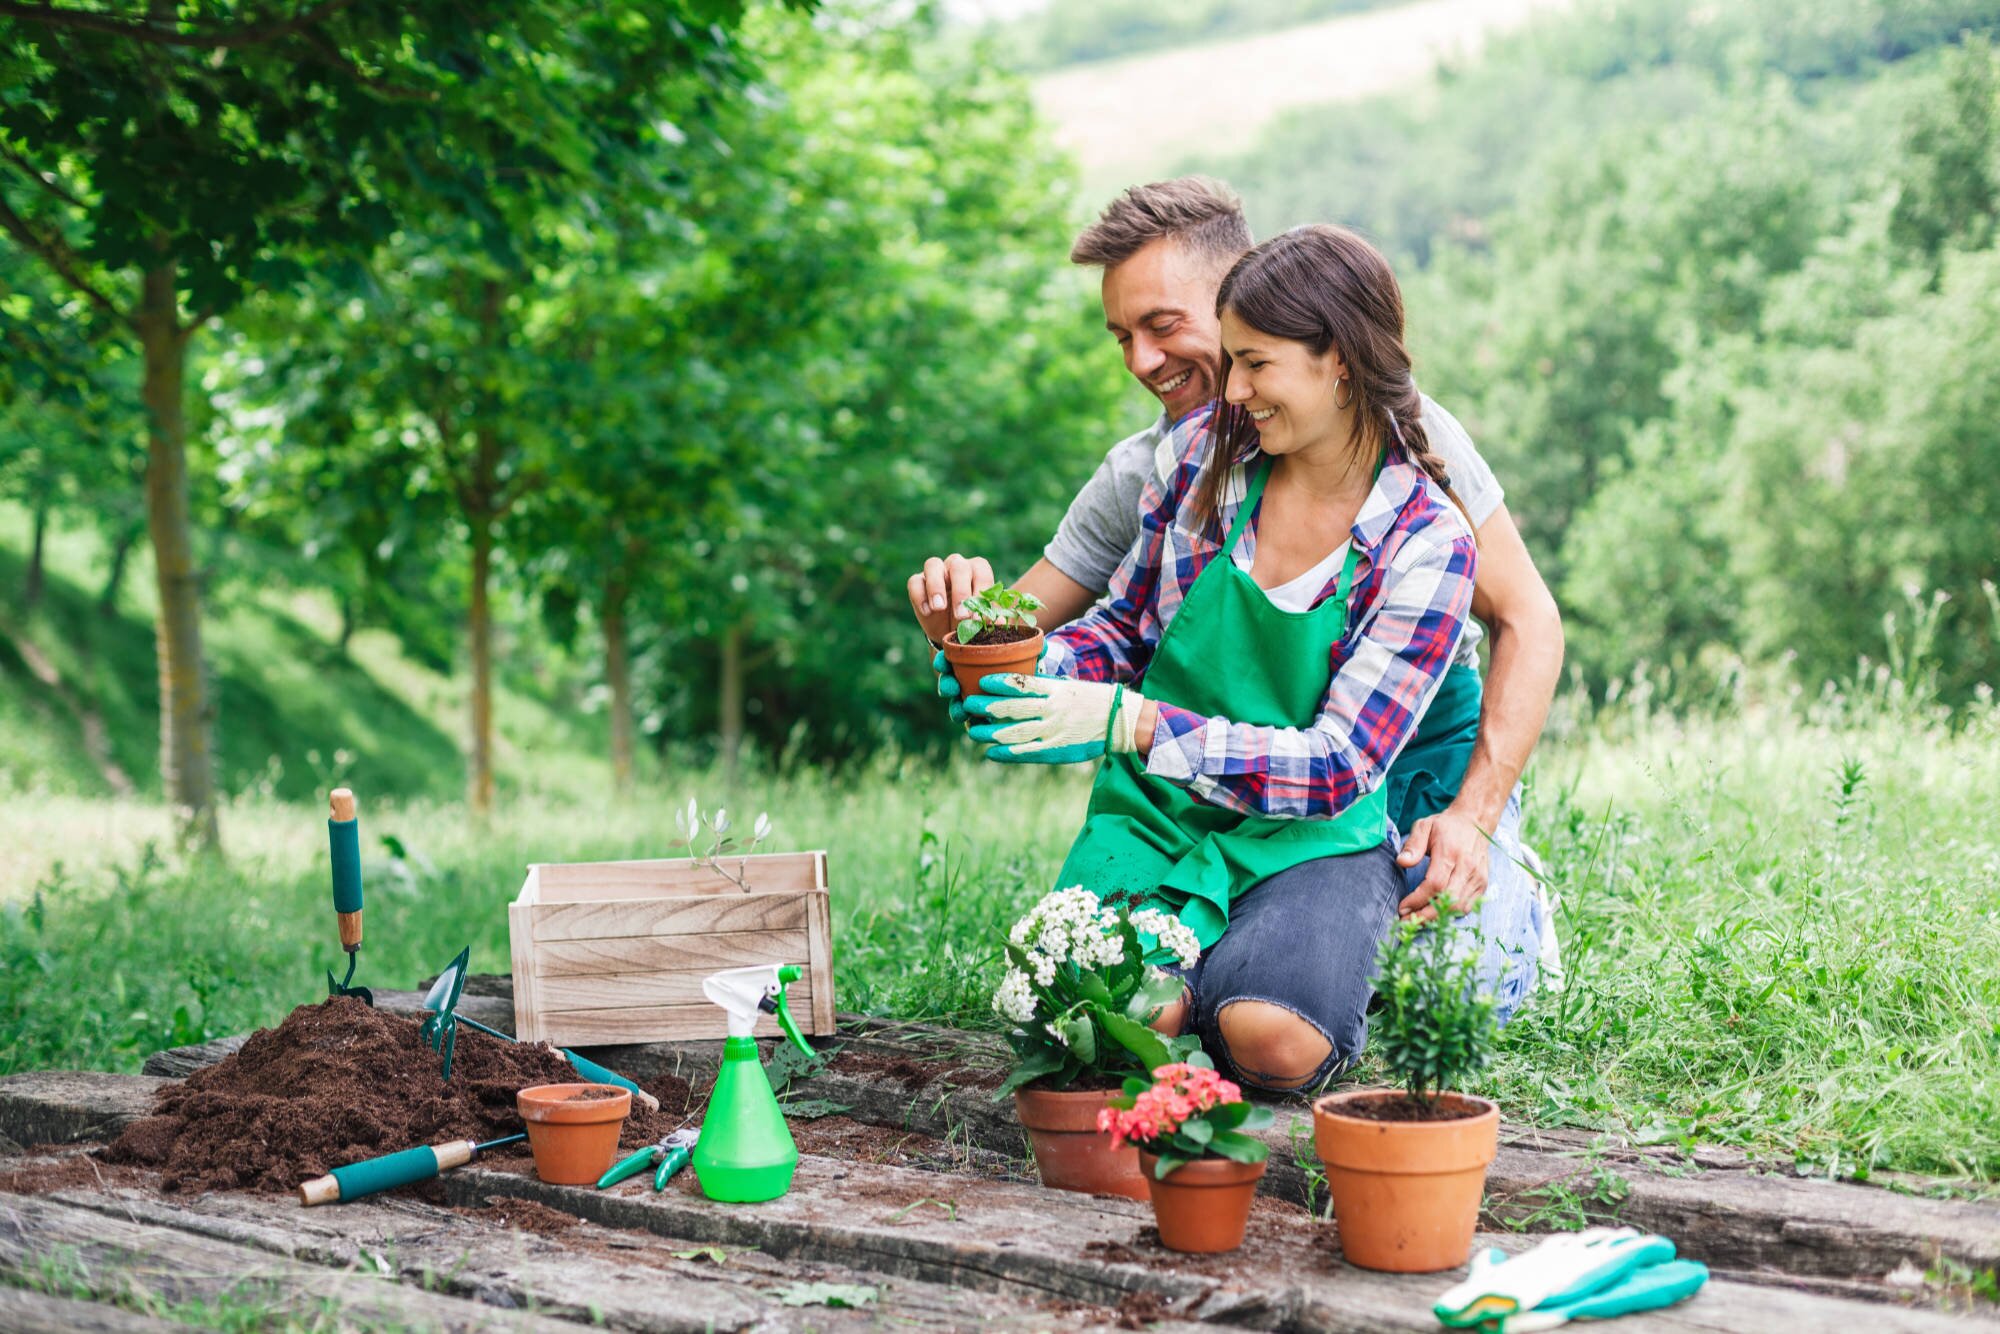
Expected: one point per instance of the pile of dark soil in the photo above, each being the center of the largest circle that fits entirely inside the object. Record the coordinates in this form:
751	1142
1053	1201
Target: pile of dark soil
336	1083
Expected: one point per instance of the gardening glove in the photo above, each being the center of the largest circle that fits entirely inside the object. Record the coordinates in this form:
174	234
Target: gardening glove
948	684
1047	720
1594	1274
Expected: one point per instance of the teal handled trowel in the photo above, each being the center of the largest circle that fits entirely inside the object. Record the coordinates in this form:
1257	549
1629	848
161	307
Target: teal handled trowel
440	1030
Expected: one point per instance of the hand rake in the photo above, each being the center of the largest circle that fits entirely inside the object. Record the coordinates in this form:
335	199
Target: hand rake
440	1030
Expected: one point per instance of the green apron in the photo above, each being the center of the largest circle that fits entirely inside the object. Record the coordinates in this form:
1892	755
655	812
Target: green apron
1230	652
1428	773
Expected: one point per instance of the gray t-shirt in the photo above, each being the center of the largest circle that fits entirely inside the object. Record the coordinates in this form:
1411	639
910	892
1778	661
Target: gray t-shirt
1102	523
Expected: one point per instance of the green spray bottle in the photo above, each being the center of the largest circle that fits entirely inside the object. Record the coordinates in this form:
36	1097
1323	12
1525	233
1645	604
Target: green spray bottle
746	1152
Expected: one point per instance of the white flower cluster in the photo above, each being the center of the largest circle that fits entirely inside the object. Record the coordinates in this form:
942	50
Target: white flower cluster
1172	933
1014	1000
1070	926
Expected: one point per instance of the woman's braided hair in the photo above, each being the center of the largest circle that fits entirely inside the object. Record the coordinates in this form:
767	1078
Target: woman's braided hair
1327	288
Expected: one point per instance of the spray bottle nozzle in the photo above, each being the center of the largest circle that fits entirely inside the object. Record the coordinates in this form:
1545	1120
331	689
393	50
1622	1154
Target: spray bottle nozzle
746	992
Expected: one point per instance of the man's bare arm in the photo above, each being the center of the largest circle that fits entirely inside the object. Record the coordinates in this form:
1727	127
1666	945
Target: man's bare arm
1063	598
1524	666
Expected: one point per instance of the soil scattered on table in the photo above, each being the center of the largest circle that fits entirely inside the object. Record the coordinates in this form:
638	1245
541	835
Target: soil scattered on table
523	1214
333	1084
914	1072
66	1172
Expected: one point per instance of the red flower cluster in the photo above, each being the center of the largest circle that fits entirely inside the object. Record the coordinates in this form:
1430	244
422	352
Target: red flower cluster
1179	1094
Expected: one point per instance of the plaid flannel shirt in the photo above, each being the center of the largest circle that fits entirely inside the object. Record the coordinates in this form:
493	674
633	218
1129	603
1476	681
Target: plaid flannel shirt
1412	593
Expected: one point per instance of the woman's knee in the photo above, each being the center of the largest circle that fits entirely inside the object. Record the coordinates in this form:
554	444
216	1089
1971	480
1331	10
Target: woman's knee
1171	1021
1270	1046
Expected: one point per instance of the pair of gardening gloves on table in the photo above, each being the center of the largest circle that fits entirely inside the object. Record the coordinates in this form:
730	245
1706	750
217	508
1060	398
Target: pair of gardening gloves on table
1044	719
1590	1275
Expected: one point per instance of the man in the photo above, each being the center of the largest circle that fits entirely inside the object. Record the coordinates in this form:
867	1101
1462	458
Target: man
1164	249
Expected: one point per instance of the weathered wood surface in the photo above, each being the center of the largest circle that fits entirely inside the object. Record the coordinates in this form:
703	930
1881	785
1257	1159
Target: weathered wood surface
625	1280
1016	1239
71	1106
25	1312
1715	1203
110	1256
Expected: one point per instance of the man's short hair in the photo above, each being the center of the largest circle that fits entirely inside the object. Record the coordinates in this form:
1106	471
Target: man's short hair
1200	213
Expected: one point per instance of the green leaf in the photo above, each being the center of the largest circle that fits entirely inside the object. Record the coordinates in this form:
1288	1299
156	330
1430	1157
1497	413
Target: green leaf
1136	1038
1043	1060
841	1296
1259	1118
968	630
1167	1163
1082	1039
1239	1147
1095	991
1135	1085
1198	1132
1228	1116
1153	995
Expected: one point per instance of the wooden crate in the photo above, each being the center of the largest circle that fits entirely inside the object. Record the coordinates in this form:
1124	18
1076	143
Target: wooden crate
609	952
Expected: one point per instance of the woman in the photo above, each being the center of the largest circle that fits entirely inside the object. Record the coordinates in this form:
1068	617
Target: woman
1301	580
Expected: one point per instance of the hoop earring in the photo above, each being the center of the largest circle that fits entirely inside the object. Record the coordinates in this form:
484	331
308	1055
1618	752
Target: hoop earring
1337	404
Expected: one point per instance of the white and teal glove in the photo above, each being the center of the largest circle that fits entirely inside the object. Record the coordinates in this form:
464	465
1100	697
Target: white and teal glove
1046	720
1590	1275
947	686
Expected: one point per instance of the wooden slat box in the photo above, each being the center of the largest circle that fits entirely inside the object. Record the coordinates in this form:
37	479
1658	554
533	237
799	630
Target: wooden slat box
609	952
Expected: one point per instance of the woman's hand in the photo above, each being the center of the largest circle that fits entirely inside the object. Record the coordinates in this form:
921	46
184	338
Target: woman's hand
1043	720
938	591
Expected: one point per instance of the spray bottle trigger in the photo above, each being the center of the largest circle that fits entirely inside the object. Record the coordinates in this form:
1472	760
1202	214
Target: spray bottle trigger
787	974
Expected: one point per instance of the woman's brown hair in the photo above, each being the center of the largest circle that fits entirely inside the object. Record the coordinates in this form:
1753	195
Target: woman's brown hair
1325	287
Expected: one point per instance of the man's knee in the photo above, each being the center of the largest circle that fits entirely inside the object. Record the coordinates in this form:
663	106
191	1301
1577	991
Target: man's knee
1269	1045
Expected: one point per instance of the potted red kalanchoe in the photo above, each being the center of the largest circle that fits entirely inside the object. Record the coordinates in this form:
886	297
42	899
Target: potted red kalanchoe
1083	982
1201	1168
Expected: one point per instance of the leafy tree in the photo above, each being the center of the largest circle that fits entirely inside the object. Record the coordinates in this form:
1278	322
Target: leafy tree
164	162
1951	180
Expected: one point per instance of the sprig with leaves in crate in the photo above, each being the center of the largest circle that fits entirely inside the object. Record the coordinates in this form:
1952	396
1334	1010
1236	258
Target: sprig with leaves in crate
697	825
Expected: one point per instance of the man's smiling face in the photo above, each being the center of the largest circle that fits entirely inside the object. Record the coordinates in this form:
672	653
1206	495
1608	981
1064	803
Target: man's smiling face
1160	306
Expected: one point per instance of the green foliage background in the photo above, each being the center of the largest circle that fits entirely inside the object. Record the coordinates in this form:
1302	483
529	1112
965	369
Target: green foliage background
1712	289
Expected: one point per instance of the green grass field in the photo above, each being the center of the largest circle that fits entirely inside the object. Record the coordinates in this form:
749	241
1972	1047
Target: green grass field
1780	917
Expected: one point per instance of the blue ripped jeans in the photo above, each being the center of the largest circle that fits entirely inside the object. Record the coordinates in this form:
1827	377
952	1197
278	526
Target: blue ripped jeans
1306	940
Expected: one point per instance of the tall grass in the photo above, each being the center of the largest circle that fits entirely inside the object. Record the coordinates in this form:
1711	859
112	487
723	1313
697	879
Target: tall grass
1781	922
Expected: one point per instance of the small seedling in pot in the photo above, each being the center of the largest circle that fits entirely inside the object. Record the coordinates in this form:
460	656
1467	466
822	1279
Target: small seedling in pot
998	615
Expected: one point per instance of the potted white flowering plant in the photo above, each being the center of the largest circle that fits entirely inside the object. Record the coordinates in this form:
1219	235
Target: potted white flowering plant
1084	980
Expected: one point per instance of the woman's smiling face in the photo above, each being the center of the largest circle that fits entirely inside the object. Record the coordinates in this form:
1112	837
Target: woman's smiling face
1287	390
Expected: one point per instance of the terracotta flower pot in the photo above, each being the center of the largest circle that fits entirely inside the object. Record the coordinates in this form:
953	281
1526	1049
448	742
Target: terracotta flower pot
573	1129
1406	1193
1070	1152
1202	1206
969	662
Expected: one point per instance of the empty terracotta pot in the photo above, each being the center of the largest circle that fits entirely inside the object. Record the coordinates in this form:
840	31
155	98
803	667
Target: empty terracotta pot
969	662
1202	1206
1070	1152
573	1129
1406	1193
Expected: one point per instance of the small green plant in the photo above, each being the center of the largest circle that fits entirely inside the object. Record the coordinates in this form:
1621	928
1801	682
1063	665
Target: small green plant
1436	1028
992	608
1184	1112
1081	987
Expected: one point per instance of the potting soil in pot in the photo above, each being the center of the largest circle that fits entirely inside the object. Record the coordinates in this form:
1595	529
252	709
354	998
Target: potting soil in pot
341	1081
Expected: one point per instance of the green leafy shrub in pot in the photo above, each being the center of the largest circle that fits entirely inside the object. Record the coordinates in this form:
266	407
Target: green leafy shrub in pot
1434	1028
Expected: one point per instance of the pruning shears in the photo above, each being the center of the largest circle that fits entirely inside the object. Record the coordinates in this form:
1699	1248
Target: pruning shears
667	1157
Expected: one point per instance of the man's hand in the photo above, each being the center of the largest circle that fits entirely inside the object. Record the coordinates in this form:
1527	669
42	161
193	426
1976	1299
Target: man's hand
1458	849
1045	720
939	591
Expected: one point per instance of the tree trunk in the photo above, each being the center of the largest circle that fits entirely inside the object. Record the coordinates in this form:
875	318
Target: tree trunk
618	669
479	789
187	762
730	705
31	585
107	601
